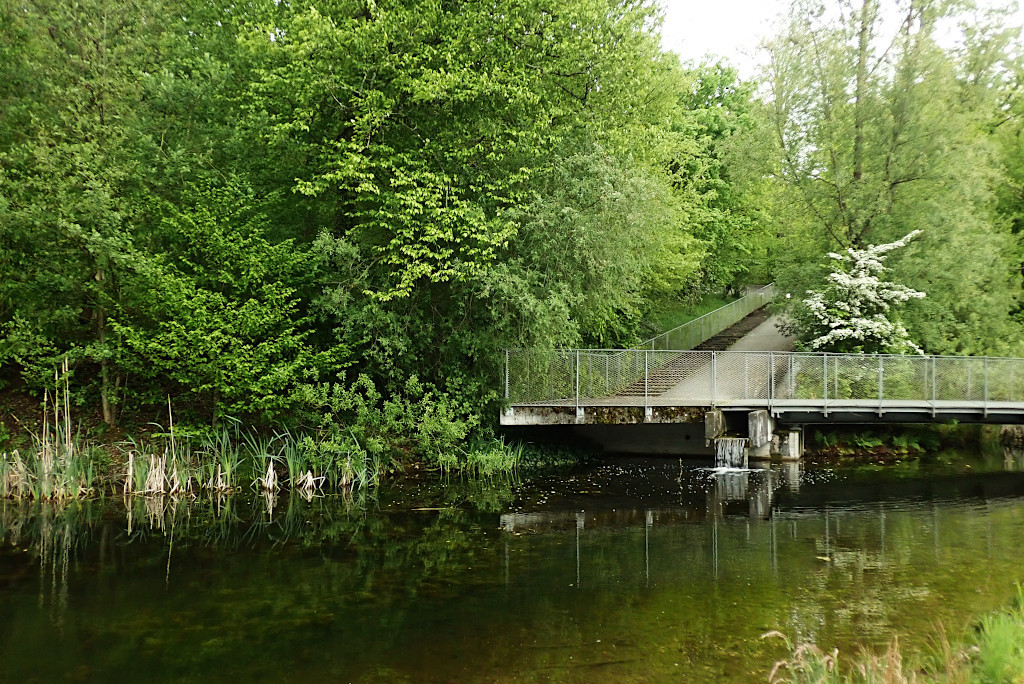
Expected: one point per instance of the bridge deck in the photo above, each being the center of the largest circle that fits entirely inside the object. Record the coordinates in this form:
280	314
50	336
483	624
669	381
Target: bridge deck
790	385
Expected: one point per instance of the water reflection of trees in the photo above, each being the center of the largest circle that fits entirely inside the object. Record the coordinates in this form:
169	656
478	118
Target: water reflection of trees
304	570
367	539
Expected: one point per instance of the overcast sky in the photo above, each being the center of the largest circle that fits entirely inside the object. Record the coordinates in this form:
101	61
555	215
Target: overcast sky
727	28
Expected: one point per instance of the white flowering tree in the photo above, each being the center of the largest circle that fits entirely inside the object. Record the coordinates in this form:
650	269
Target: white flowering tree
857	311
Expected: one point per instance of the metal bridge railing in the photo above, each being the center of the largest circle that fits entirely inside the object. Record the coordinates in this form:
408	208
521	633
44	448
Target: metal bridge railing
645	377
689	335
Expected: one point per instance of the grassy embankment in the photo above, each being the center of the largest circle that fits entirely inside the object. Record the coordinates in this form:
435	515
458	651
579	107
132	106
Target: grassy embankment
991	652
668	314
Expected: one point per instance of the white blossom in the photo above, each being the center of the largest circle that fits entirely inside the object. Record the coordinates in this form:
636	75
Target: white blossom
855	309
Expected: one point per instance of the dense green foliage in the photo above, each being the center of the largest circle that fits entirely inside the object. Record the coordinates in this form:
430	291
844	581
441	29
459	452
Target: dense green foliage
879	131
335	215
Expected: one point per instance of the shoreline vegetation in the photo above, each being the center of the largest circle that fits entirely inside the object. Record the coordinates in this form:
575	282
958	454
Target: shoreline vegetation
51	459
54	457
58	462
989	651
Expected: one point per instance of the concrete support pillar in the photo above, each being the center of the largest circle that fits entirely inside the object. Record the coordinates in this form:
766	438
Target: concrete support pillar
792	445
714	425
760	427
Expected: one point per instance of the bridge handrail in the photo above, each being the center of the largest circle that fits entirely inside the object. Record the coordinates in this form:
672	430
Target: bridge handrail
690	334
610	377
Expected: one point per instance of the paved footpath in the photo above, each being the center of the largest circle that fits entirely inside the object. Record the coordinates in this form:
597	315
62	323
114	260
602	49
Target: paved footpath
765	337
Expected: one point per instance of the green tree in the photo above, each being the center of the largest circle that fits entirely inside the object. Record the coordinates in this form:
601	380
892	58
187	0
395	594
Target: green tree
68	186
214	313
483	175
877	139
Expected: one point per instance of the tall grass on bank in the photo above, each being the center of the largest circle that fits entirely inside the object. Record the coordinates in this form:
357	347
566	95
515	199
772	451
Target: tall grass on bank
224	460
991	653
172	462
484	458
59	466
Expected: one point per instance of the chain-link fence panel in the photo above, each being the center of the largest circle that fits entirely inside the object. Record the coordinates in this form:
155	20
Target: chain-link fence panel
806	374
851	377
626	371
681	378
535	376
1005	379
742	376
778	373
594	374
689	335
959	379
906	378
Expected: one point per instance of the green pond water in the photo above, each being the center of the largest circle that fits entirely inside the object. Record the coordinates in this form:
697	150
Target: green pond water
624	570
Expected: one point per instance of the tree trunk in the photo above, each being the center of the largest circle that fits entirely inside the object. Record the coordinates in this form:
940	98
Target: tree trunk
108	391
863	40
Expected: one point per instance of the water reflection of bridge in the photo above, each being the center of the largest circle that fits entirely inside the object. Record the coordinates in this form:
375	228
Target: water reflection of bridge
729	493
735	501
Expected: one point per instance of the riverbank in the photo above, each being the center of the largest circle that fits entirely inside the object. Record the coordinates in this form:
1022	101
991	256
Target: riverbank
845	446
990	650
51	455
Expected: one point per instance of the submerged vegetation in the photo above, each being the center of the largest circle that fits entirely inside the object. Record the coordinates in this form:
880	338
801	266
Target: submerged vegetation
992	652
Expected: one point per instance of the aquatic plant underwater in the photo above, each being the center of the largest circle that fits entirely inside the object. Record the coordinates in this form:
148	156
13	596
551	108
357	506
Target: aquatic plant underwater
991	652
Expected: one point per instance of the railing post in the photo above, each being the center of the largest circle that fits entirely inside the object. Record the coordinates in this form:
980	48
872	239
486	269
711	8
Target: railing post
506	374
881	384
771	379
646	378
577	380
714	381
934	395
984	391
824	378
746	376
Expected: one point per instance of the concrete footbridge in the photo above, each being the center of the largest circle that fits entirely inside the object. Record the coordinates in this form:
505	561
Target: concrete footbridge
761	390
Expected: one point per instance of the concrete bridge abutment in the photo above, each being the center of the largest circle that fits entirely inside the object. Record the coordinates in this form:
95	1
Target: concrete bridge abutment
764	440
791	445
760	429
